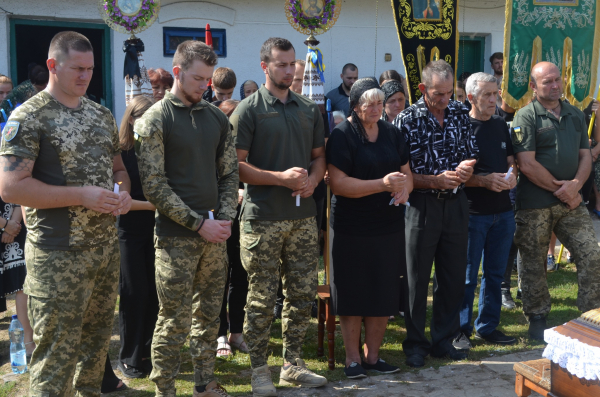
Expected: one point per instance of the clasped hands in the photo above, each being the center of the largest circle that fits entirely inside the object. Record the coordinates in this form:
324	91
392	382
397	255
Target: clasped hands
568	193
395	183
449	180
105	201
298	180
11	230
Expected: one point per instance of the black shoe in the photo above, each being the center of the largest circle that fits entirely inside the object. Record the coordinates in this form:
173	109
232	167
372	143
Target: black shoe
355	371
130	372
507	300
462	342
519	293
415	360
453	354
497	337
537	325
381	367
277	311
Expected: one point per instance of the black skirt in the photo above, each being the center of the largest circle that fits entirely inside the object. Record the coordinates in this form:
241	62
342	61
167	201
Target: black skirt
366	275
12	259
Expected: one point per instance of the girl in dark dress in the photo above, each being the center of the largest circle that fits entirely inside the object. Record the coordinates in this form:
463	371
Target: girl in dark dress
12	266
370	177
138	304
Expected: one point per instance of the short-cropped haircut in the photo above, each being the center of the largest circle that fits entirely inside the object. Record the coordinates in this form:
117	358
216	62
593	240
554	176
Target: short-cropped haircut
274	42
192	50
63	42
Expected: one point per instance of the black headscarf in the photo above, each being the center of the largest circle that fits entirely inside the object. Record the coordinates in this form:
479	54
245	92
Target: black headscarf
359	88
390	88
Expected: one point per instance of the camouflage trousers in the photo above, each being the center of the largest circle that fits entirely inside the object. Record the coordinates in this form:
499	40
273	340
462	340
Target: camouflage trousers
190	281
268	247
574	229
71	306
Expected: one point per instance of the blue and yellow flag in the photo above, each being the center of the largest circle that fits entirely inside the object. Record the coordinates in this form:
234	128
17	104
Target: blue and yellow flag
564	32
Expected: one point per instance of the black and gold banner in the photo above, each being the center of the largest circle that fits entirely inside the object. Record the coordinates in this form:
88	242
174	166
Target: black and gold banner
427	30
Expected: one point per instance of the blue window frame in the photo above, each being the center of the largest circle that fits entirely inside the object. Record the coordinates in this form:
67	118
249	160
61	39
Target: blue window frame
172	37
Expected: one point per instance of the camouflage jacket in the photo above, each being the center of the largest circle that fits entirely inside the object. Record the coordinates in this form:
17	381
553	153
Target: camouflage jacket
188	164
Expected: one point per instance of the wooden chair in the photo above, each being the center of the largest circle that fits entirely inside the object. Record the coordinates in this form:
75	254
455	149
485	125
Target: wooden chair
533	375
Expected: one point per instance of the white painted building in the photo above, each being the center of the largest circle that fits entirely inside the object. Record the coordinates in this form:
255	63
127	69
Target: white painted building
363	34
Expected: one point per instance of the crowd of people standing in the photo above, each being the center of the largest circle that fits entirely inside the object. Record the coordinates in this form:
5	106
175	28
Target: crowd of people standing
219	206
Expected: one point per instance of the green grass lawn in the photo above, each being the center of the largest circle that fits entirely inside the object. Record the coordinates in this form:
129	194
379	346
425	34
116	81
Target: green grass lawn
234	373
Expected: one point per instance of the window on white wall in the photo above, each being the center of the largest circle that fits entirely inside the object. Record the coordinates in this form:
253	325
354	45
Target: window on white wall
172	37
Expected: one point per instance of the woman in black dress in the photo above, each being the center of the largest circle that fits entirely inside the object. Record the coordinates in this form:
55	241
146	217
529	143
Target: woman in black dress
138	304
370	176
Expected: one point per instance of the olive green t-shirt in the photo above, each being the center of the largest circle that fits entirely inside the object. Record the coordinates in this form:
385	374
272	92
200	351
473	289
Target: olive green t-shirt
556	145
70	147
277	137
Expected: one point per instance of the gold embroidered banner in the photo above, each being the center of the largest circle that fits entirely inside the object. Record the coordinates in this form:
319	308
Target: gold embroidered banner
564	32
427	30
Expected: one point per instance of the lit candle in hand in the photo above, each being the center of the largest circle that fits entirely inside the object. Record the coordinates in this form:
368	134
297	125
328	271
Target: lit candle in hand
298	201
117	185
211	215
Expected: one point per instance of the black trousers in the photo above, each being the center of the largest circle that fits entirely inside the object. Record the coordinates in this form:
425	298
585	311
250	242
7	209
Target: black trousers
237	283
138	305
436	230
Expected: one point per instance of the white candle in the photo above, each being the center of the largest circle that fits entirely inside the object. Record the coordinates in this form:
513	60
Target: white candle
298	201
211	215
116	190
455	189
510	170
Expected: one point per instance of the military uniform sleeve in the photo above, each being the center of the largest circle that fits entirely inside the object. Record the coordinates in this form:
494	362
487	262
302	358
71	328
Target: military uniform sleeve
151	162
21	136
228	174
243	125
318	128
523	131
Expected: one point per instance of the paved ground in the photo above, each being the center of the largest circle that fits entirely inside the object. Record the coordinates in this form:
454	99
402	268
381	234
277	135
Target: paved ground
490	378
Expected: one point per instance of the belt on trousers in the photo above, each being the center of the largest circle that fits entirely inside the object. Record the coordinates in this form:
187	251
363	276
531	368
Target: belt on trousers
444	194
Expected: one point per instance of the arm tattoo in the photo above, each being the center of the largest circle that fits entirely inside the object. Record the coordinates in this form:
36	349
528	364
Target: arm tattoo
13	163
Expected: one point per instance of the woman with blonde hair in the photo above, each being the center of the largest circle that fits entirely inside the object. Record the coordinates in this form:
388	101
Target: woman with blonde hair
6	86
138	306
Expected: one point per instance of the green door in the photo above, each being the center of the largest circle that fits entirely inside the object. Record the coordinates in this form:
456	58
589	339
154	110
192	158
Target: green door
470	55
30	40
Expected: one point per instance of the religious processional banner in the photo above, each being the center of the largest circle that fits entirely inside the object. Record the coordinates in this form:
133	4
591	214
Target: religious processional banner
564	32
427	30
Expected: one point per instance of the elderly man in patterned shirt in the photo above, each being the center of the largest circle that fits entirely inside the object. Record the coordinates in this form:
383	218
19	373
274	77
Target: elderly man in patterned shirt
442	147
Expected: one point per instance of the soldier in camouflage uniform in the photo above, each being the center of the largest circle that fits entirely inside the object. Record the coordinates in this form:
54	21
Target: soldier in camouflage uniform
551	144
38	79
280	147
188	167
60	157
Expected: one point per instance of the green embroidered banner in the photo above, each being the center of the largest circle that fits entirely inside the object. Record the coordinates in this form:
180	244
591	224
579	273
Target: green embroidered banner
564	32
426	31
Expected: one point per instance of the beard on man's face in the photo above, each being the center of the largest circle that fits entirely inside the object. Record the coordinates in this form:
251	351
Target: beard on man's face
279	84
190	97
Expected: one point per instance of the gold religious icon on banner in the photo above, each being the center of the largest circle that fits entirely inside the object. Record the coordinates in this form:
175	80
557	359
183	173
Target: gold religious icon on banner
129	7
312	8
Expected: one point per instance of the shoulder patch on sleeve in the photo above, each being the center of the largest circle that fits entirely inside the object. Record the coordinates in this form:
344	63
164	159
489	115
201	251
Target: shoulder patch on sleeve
10	130
517	134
